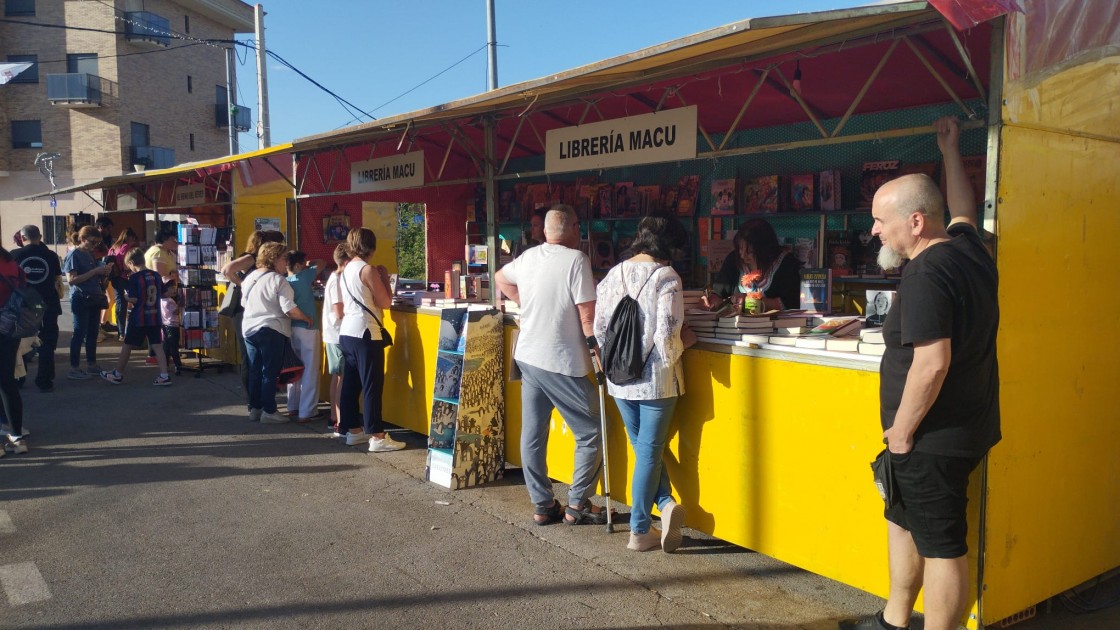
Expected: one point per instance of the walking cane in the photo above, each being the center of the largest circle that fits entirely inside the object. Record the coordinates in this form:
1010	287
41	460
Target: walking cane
592	345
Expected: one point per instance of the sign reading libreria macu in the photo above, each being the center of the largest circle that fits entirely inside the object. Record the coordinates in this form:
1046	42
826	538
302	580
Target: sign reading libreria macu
388	173
665	136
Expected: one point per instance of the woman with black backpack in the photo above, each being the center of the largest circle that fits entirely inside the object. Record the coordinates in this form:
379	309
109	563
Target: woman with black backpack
14	442
646	401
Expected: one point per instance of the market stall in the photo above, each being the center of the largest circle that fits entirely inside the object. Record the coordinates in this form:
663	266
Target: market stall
765	436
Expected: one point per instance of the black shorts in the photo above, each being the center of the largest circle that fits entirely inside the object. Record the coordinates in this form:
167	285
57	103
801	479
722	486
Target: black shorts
934	491
135	335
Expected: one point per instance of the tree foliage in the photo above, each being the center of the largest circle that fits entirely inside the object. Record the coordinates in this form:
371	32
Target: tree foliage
411	251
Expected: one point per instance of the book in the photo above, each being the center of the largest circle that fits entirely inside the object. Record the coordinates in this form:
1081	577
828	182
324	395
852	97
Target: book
878	303
874	349
838	253
649	199
603	201
872	335
837	327
805	250
624	202
718	251
783	340
816	290
842	344
723	196
811	343
802	192
865	254
602	250
792	330
874	175
761	194
828	190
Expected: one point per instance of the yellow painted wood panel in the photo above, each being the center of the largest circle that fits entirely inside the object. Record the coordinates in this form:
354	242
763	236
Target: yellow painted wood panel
1054	480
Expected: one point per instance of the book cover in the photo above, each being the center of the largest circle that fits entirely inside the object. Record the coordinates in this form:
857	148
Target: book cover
865	254
829	190
878	303
602	250
760	194
802	192
538	197
805	250
625	205
449	370
585	196
718	250
874	175
649	199
837	327
703	234
816	290
604	201
723	196
838	254
687	192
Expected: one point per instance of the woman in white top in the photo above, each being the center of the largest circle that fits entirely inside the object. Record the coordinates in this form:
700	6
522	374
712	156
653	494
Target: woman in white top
266	325
647	405
332	322
365	294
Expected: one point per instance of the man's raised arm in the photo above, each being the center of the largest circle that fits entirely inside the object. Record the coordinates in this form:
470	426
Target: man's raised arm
958	190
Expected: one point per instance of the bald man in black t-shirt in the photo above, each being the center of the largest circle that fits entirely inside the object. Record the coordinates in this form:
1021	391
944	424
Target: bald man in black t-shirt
939	384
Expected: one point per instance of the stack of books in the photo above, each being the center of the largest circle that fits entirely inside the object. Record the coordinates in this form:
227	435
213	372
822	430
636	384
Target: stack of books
871	342
833	333
745	328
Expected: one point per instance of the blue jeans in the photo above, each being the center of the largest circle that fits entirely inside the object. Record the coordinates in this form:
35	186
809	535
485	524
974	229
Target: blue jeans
265	349
86	320
647	425
578	402
363	375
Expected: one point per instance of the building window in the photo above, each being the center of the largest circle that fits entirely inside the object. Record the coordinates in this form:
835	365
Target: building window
19	7
54	230
30	75
27	134
186	23
82	63
192	142
190	84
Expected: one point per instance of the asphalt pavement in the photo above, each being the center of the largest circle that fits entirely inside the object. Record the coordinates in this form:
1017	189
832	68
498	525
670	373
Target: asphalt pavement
163	507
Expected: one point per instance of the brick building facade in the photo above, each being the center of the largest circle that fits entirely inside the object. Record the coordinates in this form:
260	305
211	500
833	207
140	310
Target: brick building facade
148	91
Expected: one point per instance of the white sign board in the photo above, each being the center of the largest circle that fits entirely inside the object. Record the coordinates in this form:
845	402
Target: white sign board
126	201
388	173
665	136
190	195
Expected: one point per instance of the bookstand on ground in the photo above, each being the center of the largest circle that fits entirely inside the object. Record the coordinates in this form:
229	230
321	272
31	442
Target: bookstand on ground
198	298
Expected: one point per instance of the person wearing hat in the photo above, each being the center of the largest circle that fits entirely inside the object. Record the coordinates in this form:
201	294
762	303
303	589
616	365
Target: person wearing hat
42	268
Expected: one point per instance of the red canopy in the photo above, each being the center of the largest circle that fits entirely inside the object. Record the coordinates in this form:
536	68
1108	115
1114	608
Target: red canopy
964	14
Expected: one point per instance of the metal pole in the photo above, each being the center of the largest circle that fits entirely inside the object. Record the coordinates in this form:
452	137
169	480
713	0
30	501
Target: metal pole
492	243
264	134
229	102
492	45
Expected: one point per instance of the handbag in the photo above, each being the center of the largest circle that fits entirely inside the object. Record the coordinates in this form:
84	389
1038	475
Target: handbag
291	367
96	301
386	338
231	301
883	473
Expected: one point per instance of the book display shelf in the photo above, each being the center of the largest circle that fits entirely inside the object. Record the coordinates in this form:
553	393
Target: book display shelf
466	439
198	299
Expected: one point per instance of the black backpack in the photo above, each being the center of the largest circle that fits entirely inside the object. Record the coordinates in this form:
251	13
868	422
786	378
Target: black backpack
22	315
623	362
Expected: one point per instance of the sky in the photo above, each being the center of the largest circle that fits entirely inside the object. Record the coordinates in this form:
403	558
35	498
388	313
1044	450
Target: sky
375	53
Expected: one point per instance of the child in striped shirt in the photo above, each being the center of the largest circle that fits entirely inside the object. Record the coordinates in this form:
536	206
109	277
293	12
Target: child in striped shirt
145	322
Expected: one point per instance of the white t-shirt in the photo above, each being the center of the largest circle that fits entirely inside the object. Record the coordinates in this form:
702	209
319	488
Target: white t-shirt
551	279
267	298
356	320
332	294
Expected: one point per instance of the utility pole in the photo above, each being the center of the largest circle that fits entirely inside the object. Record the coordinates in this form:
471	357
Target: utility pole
229	102
492	46
264	134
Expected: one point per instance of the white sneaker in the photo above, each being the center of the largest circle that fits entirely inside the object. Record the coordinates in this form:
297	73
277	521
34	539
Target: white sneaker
384	445
354	439
14	446
643	542
274	418
255	415
672	519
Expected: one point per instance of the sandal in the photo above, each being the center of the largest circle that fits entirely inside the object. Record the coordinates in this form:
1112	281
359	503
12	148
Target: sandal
551	514
585	514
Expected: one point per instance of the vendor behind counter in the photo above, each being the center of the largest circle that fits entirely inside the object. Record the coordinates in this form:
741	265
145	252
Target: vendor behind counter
757	249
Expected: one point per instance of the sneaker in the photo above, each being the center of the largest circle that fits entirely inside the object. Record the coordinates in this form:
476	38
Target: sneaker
644	542
15	446
102	336
162	381
672	518
93	370
354	439
274	418
384	445
113	377
255	415
7	430
151	361
77	375
874	622
109	328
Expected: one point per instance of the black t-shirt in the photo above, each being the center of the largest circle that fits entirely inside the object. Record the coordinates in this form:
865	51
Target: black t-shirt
42	268
948	292
786	283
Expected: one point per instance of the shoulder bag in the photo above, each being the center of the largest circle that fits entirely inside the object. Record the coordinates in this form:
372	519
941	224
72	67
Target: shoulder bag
386	338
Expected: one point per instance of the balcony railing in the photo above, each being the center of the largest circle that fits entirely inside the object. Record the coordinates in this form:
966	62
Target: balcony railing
143	27
74	89
152	157
242	116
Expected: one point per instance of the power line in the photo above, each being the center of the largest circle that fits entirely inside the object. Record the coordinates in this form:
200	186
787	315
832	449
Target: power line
143	52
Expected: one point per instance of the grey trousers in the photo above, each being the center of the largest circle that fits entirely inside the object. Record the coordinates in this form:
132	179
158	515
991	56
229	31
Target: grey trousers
578	402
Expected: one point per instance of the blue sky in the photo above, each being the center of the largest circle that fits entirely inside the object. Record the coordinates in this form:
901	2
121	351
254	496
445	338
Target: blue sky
372	52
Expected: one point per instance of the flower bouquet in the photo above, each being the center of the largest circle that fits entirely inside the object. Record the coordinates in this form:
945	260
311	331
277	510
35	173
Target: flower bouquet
752	300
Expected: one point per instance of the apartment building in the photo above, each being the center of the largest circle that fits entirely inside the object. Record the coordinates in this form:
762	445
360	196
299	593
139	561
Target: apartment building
126	84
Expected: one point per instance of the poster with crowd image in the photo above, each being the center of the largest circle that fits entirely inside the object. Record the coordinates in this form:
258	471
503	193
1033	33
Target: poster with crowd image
449	369
451	325
441	434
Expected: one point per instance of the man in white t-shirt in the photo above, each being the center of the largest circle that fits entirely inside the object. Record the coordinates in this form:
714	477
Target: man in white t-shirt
553	285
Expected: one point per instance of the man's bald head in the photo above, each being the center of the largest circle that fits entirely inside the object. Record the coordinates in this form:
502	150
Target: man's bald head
914	193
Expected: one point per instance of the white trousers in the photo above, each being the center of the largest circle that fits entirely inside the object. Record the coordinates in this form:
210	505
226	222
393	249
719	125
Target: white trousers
304	393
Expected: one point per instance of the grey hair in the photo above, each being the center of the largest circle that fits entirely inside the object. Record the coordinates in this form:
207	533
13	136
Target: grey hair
557	220
31	232
917	192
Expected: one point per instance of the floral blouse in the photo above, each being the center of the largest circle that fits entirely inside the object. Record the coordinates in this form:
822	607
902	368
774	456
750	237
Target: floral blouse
662	311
